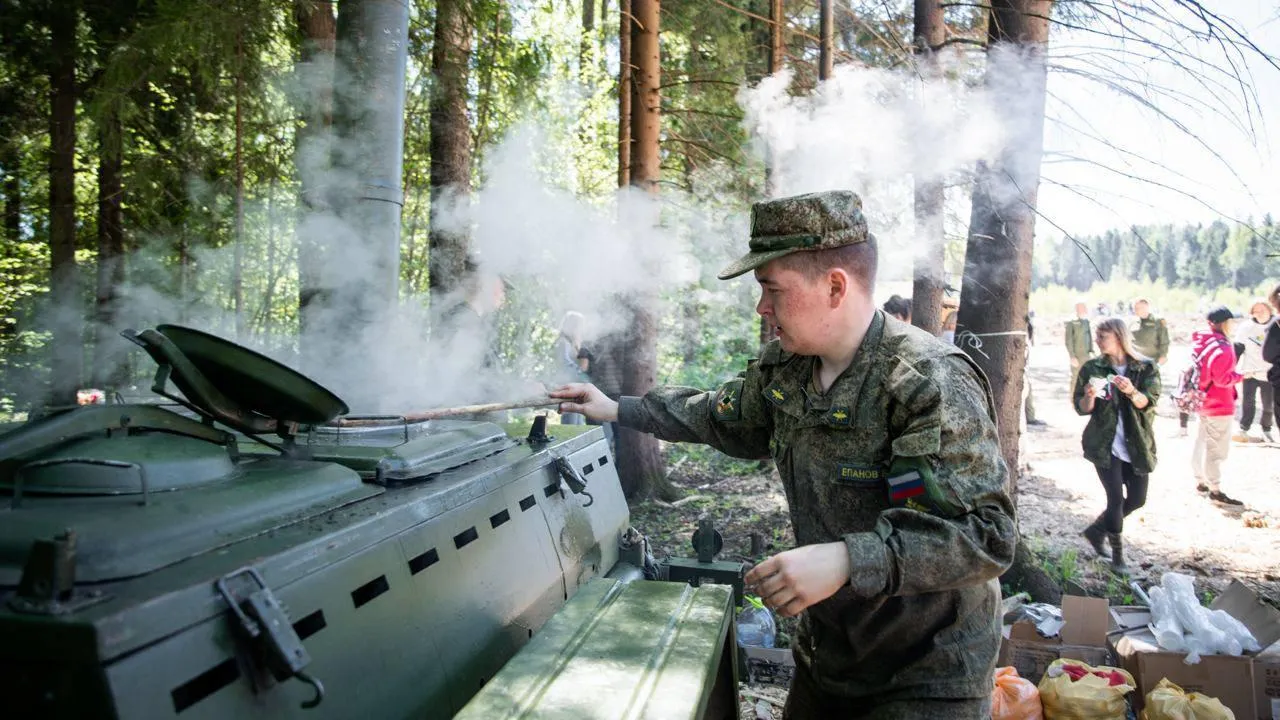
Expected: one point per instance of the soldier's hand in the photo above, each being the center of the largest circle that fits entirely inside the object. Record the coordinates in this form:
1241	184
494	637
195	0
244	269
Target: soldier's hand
791	581
587	399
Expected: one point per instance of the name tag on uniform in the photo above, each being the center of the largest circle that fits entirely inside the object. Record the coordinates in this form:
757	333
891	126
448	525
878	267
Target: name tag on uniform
859	474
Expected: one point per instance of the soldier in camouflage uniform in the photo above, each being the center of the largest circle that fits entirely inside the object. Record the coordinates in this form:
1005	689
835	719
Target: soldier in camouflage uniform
1079	340
885	440
1150	333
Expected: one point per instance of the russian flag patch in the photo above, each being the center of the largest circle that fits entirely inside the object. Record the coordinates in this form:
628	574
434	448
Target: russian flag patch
905	486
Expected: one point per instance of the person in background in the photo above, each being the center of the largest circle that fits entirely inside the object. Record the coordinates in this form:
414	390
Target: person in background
948	332
1218	379
899	307
1151	339
1079	340
603	362
1118	391
569	363
1251	333
1271	352
466	328
1150	333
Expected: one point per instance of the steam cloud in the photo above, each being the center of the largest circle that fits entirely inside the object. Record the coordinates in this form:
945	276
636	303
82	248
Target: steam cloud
871	131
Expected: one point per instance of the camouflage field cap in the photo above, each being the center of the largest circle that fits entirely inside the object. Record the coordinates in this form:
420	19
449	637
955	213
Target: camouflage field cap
805	222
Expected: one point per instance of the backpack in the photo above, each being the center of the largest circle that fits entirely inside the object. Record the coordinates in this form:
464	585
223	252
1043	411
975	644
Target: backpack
1188	395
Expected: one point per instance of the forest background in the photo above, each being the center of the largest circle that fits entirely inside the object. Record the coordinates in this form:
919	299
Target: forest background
151	155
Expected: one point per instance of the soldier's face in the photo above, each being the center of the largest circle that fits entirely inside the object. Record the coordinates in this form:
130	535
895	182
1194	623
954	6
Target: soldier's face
1081	310
1142	310
800	309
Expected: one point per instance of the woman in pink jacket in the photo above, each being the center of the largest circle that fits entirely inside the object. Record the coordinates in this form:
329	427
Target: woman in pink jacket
1218	379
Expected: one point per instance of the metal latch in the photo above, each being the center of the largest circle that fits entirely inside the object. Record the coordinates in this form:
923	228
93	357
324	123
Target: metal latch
265	625
574	479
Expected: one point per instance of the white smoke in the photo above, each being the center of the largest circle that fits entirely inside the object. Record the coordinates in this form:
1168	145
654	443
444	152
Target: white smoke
871	131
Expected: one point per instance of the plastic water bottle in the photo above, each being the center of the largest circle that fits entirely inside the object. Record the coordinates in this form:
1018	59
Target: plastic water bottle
755	627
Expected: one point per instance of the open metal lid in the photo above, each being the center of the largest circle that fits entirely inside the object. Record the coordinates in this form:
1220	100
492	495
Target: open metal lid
228	381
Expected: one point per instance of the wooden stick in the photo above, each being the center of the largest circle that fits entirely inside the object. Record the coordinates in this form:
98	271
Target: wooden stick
438	413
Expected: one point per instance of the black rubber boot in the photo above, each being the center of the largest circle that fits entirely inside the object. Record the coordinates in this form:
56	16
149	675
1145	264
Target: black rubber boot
1094	534
1117	554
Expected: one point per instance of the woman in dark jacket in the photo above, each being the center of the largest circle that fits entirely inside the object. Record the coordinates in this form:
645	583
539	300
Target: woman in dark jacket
1271	351
1118	391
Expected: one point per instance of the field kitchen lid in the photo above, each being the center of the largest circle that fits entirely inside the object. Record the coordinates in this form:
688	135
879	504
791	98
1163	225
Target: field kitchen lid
234	385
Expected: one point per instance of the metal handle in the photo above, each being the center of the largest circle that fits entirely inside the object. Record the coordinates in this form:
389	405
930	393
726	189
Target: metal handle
316	685
142	475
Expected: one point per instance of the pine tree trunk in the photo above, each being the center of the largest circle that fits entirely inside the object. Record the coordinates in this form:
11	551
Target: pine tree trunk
318	26
588	33
109	353
997	267
777	50
624	93
997	270
450	144
826	36
237	270
639	462
11	166
64	283
930	256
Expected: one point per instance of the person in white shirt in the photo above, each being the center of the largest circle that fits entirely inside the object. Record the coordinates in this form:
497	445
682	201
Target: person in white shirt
1251	333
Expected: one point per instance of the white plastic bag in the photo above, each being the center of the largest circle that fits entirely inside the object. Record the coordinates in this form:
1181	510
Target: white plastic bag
1181	624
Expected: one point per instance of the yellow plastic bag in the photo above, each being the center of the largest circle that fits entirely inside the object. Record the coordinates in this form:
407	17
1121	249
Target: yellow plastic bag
1167	701
1073	690
1014	697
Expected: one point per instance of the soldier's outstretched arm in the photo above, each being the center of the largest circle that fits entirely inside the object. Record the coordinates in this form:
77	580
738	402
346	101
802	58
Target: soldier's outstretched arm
732	419
952	524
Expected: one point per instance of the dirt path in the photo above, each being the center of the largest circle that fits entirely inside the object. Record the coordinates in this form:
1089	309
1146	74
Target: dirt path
1178	529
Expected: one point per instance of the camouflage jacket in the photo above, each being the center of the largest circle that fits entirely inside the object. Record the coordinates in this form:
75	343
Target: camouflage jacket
1079	338
1151	337
899	460
1098	435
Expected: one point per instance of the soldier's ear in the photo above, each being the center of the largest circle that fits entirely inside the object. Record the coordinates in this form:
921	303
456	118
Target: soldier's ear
839	285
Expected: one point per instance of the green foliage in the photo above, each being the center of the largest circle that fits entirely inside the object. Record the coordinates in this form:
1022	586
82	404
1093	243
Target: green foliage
1205	257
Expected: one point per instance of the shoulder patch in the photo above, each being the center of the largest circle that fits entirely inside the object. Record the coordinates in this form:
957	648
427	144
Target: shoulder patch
911	484
728	405
775	393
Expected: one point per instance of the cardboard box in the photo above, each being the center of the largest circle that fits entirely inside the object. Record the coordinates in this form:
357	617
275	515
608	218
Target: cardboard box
1266	684
769	666
1230	679
1083	637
